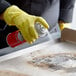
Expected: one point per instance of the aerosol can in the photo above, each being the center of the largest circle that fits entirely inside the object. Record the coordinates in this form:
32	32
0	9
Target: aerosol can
15	38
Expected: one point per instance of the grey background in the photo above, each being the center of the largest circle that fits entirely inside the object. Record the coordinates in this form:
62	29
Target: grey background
73	25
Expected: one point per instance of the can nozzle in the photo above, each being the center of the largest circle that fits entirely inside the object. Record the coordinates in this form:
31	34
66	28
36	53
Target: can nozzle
41	30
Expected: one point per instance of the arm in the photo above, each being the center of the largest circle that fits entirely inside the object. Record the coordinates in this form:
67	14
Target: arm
3	5
66	12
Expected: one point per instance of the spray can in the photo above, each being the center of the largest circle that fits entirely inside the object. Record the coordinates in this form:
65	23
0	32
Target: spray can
15	38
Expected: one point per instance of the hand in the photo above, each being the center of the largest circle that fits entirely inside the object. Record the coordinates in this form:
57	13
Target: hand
24	22
63	25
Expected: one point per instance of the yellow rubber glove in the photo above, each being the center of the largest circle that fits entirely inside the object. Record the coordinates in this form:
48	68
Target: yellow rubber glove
24	22
63	25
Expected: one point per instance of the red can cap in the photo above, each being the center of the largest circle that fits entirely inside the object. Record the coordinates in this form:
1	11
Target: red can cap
13	39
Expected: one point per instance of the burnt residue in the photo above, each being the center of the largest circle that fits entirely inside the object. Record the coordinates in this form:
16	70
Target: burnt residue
55	62
56	67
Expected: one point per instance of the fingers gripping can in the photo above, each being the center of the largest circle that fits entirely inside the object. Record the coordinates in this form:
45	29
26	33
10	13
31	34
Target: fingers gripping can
15	38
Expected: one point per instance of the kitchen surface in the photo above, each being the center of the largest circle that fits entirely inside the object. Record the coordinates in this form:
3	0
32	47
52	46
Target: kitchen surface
23	65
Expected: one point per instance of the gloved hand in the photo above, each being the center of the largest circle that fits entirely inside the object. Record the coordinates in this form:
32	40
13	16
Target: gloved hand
24	22
63	25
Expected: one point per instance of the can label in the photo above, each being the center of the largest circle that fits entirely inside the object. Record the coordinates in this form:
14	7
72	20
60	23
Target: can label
14	39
